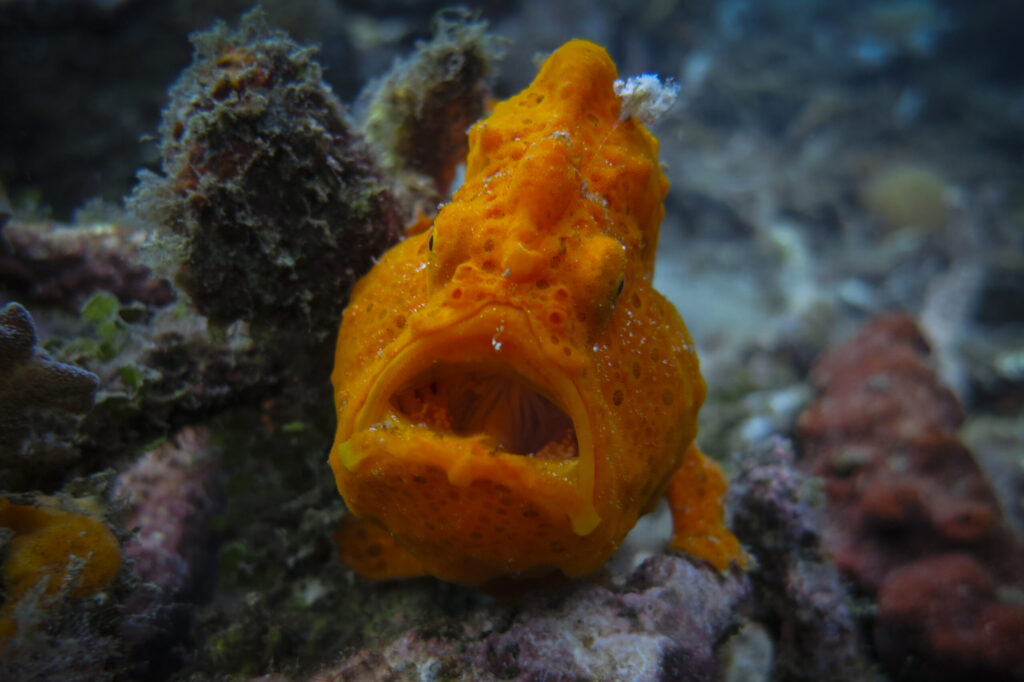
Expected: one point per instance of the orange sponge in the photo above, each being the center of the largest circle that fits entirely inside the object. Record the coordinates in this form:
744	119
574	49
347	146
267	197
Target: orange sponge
47	542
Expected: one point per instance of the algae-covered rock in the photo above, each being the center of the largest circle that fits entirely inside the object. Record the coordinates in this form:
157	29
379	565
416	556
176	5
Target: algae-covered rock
416	117
271	194
663	624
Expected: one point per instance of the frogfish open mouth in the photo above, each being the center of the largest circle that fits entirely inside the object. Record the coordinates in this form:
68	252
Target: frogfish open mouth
512	393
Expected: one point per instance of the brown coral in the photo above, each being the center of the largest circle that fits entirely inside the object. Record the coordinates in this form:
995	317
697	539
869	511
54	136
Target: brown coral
909	507
942	618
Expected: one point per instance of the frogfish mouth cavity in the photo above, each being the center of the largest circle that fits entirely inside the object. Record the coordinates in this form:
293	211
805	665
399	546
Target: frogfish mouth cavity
471	441
491	402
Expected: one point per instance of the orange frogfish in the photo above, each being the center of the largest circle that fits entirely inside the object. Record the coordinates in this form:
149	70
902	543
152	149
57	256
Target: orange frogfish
512	393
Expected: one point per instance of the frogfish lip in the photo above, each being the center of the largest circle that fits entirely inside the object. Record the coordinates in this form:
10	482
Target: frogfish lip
476	404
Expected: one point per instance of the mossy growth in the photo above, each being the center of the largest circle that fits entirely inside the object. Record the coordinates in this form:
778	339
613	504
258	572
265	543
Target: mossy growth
416	117
269	194
273	534
153	371
286	603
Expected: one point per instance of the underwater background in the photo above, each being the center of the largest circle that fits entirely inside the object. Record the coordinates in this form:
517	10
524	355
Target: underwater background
181	222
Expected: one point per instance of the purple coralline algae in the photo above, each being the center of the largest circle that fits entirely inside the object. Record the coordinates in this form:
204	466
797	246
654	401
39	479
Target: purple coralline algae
664	624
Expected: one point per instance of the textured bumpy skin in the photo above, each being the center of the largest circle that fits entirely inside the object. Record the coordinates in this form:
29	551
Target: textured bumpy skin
512	393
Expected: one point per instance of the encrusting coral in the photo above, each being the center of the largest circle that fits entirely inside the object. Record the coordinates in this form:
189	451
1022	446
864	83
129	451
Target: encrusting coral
61	265
172	496
911	519
41	402
799	593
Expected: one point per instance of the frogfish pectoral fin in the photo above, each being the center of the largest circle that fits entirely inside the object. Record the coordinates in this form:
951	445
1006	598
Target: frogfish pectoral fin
372	553
695	495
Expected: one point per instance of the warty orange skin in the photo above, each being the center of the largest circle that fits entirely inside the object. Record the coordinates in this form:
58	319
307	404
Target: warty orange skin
512	394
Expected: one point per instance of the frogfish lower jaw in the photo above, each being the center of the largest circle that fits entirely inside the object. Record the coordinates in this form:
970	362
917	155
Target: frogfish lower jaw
446	421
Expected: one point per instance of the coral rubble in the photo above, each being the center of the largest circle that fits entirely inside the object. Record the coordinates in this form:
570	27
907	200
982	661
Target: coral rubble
799	594
664	624
910	516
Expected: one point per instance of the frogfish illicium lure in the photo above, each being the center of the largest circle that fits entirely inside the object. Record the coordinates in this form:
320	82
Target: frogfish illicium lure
512	394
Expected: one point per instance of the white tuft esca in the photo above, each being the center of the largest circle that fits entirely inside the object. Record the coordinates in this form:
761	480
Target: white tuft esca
645	97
